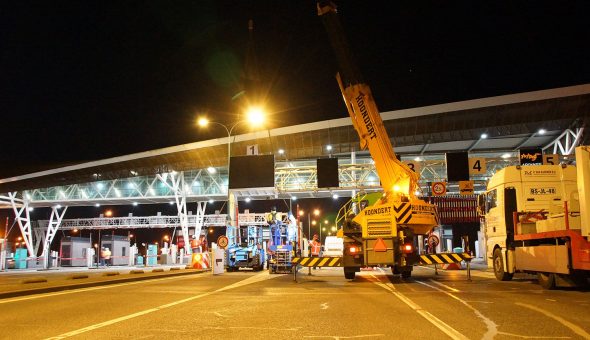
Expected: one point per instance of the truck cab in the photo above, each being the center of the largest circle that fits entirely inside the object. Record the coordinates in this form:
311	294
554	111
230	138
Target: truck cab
532	219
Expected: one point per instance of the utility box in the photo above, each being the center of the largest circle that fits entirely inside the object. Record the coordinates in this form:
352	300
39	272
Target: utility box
20	258
73	251
119	246
152	255
218	261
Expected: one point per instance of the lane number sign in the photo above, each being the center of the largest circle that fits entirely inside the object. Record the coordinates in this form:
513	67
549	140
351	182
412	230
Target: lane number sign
252	150
413	165
477	166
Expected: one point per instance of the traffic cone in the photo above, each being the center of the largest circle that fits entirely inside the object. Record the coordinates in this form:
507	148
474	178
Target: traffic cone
452	266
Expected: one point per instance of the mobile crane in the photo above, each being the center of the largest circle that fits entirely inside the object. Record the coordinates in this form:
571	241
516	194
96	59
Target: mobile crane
384	233
537	221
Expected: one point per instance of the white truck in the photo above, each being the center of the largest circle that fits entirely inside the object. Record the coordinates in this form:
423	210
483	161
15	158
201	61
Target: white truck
537	220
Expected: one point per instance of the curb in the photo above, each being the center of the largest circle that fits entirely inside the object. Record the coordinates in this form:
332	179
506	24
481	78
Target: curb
43	290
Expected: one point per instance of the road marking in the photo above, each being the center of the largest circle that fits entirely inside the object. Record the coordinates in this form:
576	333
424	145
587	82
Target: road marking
551	300
324	305
533	337
575	328
80	290
338	337
448	330
219	314
492	328
250	280
444	285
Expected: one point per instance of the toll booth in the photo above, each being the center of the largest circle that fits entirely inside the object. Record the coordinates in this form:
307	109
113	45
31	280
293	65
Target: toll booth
73	250
119	246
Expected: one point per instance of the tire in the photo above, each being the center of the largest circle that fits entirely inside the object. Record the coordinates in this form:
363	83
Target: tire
406	274
546	280
395	270
580	279
499	271
349	274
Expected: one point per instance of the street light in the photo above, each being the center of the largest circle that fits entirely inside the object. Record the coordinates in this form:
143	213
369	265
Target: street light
254	115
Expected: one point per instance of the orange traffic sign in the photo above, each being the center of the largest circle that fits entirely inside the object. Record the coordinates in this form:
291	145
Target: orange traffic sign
222	241
380	245
439	188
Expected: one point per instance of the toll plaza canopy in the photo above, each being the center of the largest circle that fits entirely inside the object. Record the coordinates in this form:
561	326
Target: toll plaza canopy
553	120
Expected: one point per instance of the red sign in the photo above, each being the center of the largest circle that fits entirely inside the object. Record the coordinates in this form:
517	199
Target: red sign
439	188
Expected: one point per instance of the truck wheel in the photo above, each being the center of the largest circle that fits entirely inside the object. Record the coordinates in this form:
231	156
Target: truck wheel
395	270
406	274
349	273
546	280
499	267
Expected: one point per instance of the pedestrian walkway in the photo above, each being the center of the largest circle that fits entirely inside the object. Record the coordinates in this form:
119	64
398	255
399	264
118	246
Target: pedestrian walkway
30	281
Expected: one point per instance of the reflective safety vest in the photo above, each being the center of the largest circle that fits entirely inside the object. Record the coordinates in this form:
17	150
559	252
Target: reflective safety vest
194	243
315	248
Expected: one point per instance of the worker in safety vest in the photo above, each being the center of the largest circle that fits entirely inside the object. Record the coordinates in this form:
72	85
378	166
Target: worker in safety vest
105	255
274	221
195	245
316	247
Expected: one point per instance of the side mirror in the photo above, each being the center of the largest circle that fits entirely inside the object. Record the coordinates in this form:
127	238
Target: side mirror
481	204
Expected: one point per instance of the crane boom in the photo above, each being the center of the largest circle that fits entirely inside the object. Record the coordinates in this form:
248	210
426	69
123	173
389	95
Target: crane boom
383	233
395	176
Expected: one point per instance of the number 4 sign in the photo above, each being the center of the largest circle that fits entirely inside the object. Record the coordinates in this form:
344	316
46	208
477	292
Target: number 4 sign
477	166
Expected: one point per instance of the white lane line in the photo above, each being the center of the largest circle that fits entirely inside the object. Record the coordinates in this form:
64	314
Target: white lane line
338	337
444	285
448	330
252	279
492	328
324	305
219	314
80	290
533	336
551	300
575	328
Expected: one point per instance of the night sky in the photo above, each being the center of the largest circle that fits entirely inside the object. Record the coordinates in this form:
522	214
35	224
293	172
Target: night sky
86	80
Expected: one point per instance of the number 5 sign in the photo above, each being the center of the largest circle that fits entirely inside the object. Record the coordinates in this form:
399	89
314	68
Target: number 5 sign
477	166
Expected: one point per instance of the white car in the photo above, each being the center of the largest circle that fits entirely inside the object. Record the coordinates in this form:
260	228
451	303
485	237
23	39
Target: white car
333	246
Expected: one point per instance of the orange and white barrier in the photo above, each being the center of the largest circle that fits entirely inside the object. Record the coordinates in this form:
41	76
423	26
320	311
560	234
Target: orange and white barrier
201	261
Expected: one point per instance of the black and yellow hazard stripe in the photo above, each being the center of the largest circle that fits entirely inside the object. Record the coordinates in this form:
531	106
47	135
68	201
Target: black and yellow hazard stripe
444	258
403	212
317	261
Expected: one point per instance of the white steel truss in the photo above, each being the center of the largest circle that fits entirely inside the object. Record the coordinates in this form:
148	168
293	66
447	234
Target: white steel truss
21	213
291	179
177	186
152	222
566	142
54	222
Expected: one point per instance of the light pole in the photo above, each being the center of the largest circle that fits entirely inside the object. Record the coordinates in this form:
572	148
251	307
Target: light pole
254	115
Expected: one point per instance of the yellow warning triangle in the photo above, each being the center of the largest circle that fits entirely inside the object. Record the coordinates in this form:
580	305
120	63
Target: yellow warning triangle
380	245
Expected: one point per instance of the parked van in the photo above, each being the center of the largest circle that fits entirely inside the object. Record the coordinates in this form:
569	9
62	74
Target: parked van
333	246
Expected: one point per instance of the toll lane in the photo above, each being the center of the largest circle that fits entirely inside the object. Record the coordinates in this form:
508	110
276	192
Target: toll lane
257	305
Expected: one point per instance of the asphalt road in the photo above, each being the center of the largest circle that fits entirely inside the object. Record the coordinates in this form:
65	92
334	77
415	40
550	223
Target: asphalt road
249	305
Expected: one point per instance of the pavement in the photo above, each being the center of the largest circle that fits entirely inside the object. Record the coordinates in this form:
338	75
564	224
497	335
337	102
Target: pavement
22	282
